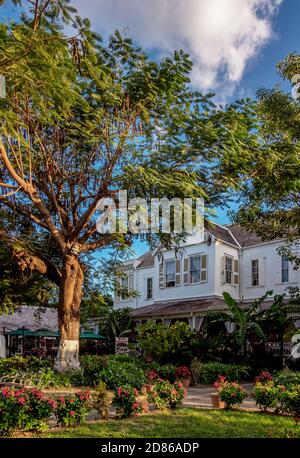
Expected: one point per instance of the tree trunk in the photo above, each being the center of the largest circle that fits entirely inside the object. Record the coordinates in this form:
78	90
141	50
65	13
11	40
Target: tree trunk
70	295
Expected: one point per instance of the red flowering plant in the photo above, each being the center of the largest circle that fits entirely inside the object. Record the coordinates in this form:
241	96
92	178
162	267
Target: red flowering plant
71	410
24	409
125	400
264	377
182	373
231	393
166	395
151	375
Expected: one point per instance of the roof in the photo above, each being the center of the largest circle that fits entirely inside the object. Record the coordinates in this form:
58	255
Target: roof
146	260
30	318
220	232
175	308
245	238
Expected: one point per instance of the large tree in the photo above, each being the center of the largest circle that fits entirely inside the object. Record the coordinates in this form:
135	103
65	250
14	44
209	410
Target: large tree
271	199
83	120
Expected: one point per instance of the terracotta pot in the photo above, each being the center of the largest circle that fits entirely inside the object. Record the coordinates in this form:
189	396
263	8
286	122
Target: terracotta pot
148	387
186	383
215	400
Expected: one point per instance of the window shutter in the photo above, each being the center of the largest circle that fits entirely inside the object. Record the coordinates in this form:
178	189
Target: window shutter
278	277
130	283
186	271
223	260
295	274
248	274
236	272
203	274
178	273
261	271
161	276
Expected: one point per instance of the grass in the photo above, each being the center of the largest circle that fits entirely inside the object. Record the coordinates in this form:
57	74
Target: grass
185	423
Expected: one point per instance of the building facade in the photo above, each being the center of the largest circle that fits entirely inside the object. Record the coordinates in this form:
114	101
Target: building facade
190	282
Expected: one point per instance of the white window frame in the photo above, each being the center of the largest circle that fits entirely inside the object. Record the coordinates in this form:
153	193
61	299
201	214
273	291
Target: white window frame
149	297
285	269
199	256
169	261
230	258
254	272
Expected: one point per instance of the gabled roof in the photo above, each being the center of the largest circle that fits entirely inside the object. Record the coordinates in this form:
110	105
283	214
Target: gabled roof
221	233
146	260
245	238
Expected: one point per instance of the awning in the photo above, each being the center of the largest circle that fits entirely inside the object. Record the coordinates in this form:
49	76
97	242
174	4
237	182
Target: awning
47	333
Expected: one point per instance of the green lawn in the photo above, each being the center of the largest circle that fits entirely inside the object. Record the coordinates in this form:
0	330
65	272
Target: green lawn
185	423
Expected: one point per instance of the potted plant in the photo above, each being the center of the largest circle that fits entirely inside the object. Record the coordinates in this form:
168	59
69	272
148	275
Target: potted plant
215	397
151	376
230	393
183	374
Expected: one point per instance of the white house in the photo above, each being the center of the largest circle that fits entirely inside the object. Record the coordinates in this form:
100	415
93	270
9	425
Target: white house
192	281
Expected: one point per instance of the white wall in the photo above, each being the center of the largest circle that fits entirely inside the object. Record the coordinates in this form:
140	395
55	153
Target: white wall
269	271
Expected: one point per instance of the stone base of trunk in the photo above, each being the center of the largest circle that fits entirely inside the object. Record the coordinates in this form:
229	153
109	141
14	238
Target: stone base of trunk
67	357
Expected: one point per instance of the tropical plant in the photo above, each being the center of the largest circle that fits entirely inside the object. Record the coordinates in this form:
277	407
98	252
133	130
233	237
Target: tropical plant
245	319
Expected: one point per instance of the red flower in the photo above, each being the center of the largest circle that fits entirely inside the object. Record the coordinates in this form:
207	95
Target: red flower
52	403
21	401
72	413
62	399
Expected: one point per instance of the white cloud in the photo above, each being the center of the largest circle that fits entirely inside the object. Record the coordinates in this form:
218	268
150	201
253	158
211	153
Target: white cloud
221	36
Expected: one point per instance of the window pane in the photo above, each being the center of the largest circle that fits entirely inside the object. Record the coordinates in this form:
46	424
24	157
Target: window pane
255	273
228	270
149	288
284	269
170	274
195	267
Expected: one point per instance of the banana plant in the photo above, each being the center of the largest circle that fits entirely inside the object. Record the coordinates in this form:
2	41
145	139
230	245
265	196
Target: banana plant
245	320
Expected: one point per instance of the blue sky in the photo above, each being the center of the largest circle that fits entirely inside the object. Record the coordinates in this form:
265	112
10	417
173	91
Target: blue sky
235	44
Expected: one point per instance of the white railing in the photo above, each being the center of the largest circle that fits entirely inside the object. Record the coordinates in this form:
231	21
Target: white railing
275	348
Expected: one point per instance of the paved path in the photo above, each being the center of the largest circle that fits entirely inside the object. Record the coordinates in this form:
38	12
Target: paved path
200	398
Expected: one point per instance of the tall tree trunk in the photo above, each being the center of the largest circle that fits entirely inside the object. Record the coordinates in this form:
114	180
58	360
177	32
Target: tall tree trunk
70	295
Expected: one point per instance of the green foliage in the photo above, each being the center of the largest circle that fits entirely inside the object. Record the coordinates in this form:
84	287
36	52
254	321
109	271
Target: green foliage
91	370
125	399
117	323
118	374
287	378
40	378
266	395
207	373
100	400
166	395
27	410
163	371
71	410
160	341
30	363
231	393
290	400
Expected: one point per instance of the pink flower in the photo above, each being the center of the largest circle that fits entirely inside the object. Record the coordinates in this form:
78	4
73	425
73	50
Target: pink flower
52	403
21	401
72	413
62	399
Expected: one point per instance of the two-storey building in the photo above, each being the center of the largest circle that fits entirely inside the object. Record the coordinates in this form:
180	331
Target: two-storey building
186	283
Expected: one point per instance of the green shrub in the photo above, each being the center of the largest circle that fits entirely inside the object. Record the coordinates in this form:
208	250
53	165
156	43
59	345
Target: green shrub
125	400
231	393
120	374
27	410
41	378
20	363
207	373
287	378
91	368
124	359
71	410
290	400
166	395
100	400
265	394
